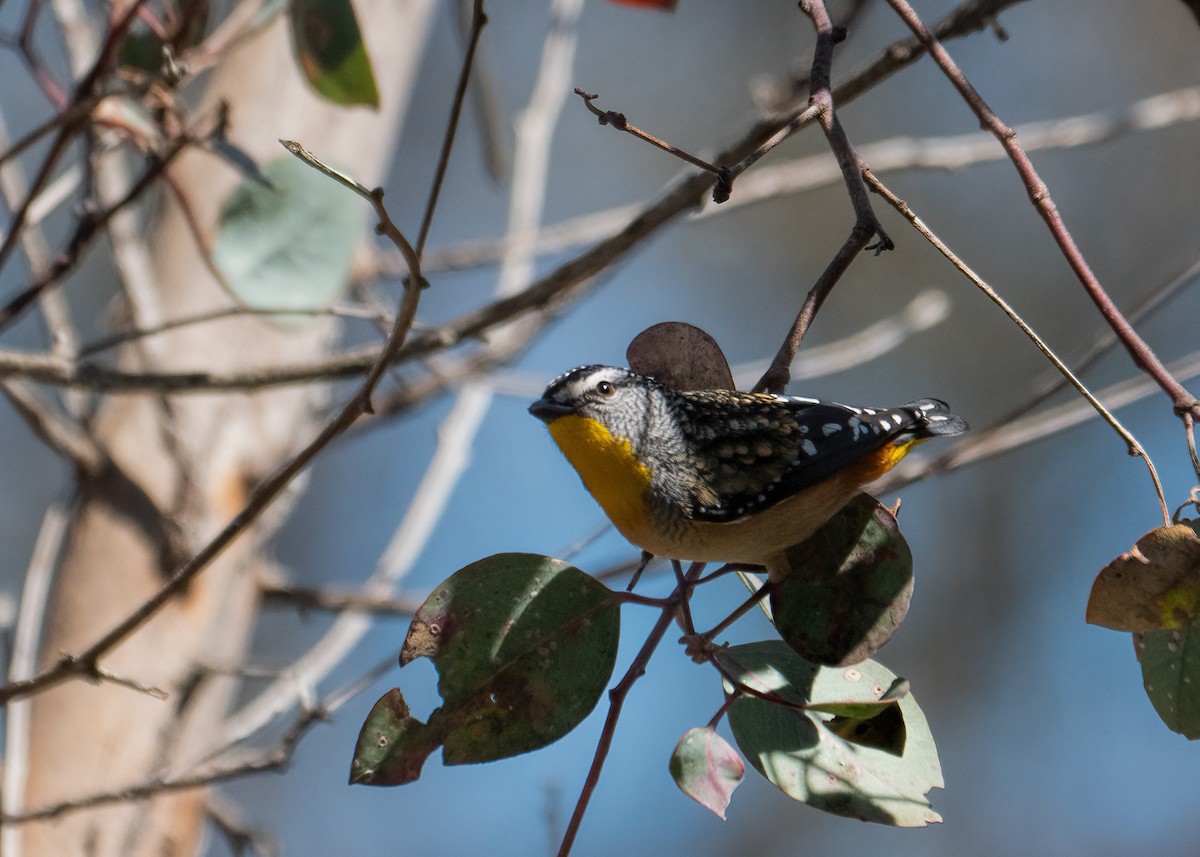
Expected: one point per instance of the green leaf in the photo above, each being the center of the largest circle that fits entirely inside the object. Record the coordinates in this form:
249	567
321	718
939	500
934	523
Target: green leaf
289	245
392	744
524	646
331	52
1154	586
1171	672
706	768
801	755
849	586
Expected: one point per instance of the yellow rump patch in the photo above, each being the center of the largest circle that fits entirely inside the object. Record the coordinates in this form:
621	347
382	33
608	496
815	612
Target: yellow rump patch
885	458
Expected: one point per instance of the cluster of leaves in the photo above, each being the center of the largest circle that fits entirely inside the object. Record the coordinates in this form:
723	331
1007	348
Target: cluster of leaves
525	646
1154	592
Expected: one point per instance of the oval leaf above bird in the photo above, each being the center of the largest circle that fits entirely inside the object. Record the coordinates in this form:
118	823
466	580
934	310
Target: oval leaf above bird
680	356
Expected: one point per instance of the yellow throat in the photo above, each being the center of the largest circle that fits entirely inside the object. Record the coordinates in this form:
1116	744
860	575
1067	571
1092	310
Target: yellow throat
609	469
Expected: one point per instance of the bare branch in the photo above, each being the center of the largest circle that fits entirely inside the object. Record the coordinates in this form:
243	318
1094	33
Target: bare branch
275	759
1039	195
617	120
306	598
478	22
803	174
851	164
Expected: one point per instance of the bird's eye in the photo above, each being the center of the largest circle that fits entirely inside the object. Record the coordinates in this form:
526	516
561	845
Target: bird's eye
606	389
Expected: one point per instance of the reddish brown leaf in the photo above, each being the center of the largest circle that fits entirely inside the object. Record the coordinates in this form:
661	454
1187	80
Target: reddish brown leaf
707	768
680	356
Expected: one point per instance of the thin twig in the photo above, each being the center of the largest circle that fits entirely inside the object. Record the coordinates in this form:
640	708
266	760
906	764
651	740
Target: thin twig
307	598
618	121
616	701
86	230
1131	442
1107	341
795	176
488	114
72	114
478	22
274	759
1039	195
851	164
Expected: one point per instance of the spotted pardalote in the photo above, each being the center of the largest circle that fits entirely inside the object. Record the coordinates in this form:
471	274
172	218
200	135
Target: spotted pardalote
718	475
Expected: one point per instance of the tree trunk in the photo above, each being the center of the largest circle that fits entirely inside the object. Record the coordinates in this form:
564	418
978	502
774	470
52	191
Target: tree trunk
196	456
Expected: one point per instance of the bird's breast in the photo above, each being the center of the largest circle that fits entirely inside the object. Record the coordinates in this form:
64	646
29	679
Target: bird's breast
609	469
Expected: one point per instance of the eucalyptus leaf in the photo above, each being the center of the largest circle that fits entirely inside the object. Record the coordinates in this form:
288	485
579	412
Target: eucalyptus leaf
524	646
706	768
799	752
330	49
1171	674
287	242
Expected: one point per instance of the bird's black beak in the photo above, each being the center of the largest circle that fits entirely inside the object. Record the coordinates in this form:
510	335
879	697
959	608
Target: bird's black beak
548	410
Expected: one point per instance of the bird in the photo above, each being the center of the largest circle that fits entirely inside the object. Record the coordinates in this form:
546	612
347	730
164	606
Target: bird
721	475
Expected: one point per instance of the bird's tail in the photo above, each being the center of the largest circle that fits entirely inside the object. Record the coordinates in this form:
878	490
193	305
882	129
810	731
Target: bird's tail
935	419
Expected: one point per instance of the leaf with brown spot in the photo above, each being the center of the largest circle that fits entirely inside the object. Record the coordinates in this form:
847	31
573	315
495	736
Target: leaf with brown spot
524	646
1153	587
392	744
680	356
